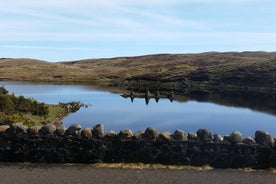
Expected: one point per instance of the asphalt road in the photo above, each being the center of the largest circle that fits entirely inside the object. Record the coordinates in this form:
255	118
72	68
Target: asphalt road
13	173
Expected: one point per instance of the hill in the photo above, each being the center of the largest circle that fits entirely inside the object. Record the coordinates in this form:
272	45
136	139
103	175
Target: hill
179	71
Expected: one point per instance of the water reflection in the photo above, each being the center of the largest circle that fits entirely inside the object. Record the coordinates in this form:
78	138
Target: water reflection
222	112
147	95
258	101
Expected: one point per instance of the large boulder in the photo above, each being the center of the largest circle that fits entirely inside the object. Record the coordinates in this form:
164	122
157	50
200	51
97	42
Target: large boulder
204	135
48	129
263	138
98	131
151	133
180	135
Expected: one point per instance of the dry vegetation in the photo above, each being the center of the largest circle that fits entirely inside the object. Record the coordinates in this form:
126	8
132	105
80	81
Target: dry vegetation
232	68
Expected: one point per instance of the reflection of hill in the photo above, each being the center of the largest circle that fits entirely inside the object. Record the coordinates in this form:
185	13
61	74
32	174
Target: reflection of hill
255	101
261	101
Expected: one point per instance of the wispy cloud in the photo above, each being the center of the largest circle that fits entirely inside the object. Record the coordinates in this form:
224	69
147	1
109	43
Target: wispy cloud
121	24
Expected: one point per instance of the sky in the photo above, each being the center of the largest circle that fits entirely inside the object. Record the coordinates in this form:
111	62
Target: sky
63	30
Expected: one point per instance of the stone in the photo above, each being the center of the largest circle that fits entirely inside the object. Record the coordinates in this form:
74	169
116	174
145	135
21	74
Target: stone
73	130
3	128
180	135
125	134
192	136
218	138
249	140
111	133
164	136
86	133
139	134
234	138
204	135
16	129
60	131
98	131
47	129
34	130
151	133
263	138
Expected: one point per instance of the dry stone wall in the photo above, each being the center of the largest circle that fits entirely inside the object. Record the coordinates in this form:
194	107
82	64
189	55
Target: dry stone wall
51	144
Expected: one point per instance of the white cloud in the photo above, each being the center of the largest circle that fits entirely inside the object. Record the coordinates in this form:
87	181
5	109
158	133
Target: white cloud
124	22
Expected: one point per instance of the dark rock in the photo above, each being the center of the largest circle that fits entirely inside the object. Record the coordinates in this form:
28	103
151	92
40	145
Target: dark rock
139	134
180	135
60	131
111	134
16	129
218	138
151	133
34	130
86	133
164	137
192	136
98	131
204	135
234	138
73	130
47	129
125	134
263	138
249	140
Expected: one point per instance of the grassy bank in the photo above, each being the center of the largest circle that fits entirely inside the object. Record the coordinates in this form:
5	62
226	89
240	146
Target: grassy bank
18	109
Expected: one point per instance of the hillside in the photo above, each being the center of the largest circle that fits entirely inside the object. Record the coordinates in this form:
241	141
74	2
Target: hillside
247	69
178	71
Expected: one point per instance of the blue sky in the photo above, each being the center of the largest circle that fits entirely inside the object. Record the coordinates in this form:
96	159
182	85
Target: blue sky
59	30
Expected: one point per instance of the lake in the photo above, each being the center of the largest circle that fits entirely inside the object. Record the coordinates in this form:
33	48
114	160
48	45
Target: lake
117	113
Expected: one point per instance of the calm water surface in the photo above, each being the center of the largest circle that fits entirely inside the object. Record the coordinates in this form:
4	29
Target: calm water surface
117	113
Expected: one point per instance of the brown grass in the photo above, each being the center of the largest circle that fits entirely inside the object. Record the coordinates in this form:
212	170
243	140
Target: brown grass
217	66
